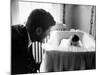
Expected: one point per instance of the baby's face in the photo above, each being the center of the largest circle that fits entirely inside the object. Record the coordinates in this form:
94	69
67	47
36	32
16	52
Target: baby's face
75	43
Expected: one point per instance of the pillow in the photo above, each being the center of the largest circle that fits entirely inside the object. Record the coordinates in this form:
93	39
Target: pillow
65	43
88	42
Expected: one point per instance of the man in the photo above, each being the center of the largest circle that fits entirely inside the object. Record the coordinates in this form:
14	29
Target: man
37	25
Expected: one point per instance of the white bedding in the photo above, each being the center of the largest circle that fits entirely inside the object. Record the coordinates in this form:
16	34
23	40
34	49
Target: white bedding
60	40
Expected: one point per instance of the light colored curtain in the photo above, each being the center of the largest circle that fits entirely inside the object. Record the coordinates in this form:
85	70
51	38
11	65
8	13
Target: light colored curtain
93	22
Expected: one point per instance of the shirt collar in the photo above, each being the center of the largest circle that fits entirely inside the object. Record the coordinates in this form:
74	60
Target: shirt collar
29	40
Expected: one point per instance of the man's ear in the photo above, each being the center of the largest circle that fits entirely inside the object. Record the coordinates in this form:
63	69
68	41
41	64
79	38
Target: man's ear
39	30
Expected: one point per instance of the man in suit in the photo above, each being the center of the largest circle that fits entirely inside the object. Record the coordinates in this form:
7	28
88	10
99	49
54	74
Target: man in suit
37	25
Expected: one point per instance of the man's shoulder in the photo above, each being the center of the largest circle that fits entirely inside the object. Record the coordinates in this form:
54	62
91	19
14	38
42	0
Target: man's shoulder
17	31
17	27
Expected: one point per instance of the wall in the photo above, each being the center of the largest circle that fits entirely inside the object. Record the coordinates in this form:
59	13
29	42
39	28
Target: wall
78	16
14	12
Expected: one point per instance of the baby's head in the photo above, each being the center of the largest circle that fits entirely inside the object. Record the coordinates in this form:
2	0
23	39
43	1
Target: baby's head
75	40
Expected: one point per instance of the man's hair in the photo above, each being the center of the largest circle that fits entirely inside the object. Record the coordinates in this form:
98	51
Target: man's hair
40	18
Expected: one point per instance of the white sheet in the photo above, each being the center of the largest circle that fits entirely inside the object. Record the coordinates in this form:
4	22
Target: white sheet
60	40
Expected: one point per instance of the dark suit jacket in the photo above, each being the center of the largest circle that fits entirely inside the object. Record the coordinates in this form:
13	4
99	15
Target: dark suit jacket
22	60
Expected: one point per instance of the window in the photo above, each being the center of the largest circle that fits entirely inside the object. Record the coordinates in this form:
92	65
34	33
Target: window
26	7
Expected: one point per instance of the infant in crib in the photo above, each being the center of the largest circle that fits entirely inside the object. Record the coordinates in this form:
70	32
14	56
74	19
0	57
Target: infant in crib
64	40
